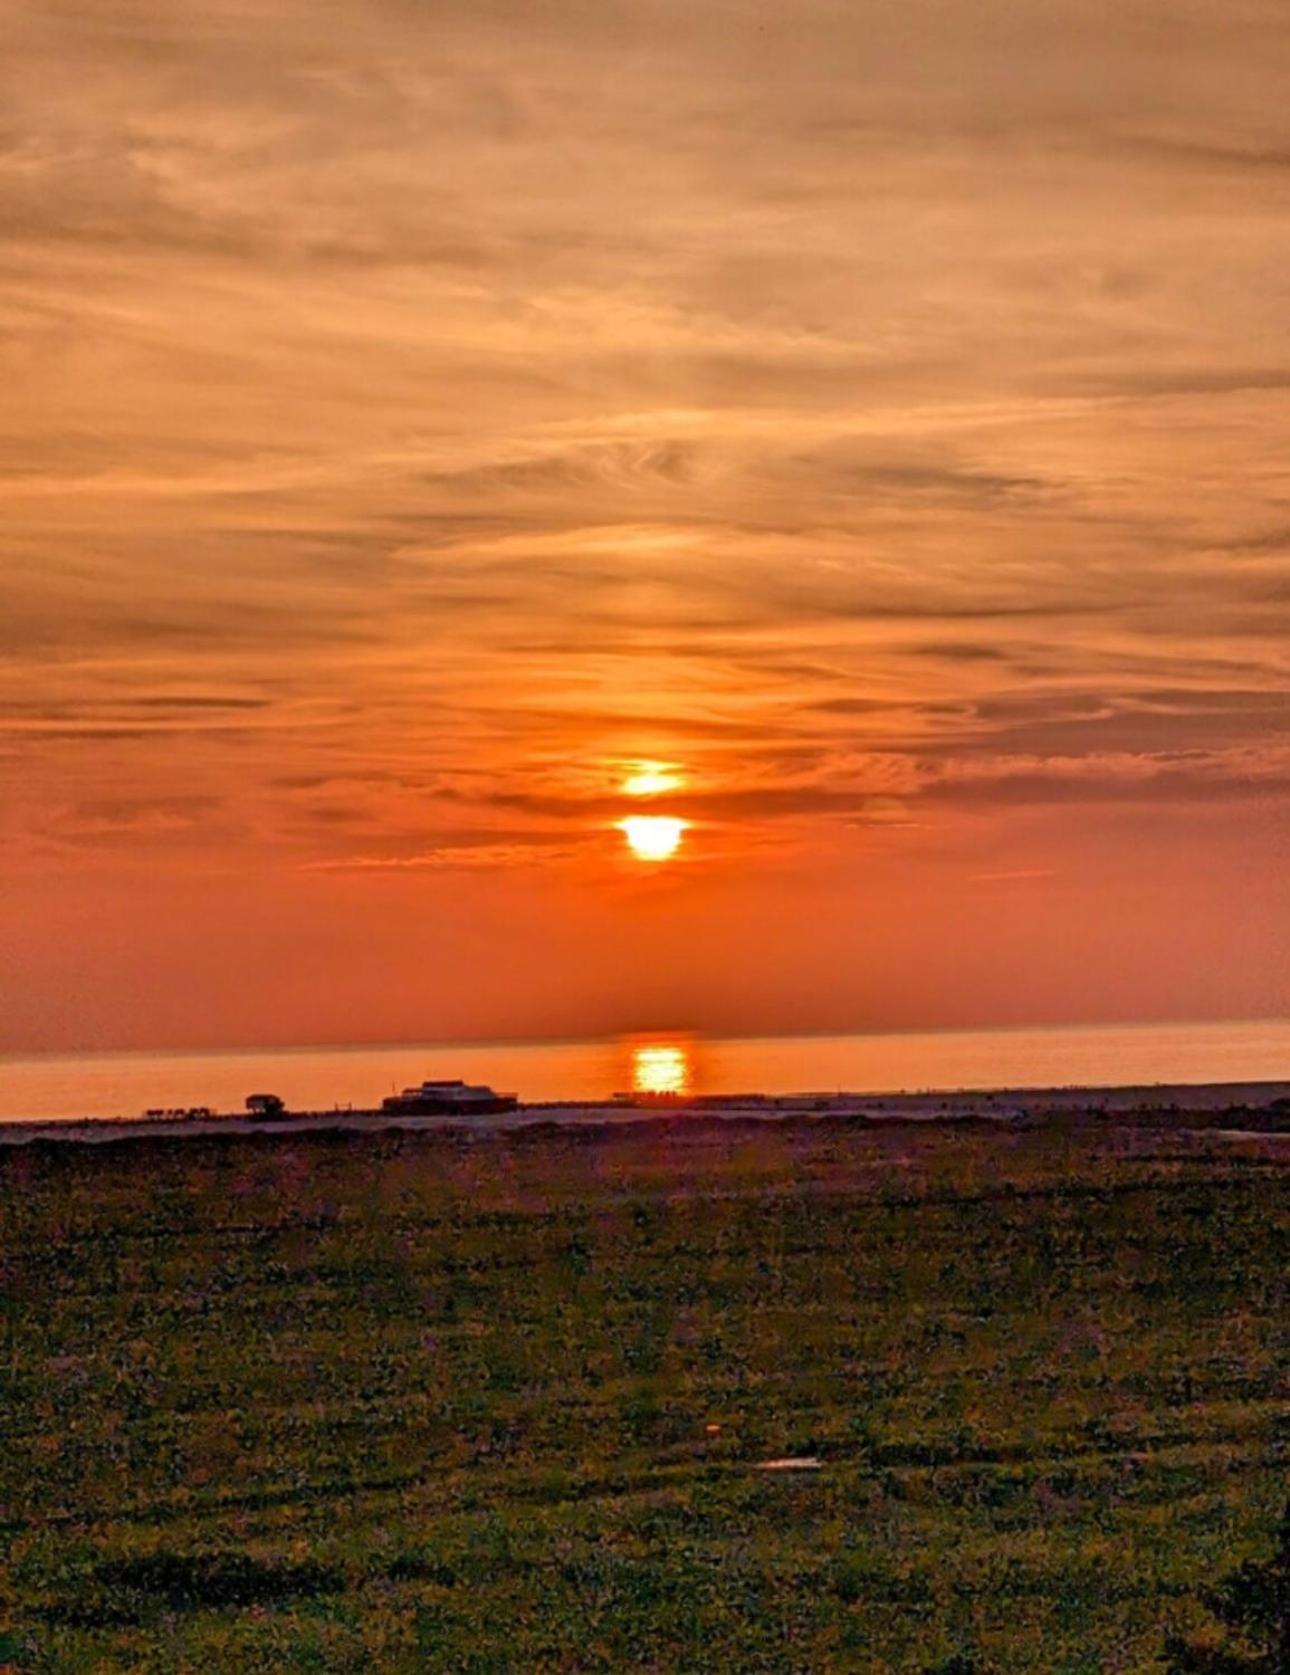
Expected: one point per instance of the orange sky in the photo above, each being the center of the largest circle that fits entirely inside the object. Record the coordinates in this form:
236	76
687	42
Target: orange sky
418	416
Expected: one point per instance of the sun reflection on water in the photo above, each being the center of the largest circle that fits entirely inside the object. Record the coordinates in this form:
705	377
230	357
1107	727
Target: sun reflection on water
662	1069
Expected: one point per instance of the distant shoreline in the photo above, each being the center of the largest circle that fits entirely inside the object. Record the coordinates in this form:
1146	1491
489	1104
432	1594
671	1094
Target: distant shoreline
1262	1107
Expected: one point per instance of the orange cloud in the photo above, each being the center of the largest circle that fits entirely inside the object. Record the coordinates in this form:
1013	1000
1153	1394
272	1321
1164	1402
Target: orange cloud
878	410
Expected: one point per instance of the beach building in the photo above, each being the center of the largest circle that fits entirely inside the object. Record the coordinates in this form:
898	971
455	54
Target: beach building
449	1098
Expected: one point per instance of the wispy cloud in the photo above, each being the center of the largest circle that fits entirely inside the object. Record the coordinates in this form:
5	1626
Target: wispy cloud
410	420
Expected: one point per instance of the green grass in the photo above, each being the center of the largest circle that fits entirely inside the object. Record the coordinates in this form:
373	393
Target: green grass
407	1405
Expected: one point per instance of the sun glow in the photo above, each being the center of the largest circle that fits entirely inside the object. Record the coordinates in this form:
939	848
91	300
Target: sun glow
651	779
660	1070
653	837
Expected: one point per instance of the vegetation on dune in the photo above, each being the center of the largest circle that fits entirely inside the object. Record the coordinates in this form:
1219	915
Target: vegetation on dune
1252	1606
397	1404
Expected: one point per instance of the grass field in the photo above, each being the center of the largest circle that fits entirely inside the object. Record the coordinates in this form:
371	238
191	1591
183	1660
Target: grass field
408	1404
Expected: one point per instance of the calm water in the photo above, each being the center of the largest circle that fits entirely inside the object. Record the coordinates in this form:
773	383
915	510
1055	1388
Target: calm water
313	1078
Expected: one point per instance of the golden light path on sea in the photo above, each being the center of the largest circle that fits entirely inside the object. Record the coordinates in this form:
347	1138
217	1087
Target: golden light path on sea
659	1068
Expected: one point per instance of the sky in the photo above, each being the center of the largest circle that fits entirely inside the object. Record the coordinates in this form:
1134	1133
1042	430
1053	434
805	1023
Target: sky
420	417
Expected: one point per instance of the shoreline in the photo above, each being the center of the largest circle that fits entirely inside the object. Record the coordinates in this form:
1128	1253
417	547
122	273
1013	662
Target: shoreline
1265	1105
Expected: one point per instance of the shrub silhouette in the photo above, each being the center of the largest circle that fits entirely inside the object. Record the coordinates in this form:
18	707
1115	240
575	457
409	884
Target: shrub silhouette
1253	1605
130	1591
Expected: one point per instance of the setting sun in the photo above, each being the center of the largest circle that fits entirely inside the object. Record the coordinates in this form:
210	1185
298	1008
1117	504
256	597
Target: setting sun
650	779
653	837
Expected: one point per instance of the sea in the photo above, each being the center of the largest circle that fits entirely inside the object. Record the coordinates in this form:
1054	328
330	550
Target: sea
59	1087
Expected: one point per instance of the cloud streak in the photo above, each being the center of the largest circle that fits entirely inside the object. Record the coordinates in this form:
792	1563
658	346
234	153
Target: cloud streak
877	410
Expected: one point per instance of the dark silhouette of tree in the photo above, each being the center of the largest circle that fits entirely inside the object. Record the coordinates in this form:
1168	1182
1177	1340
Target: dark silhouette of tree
1253	1605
